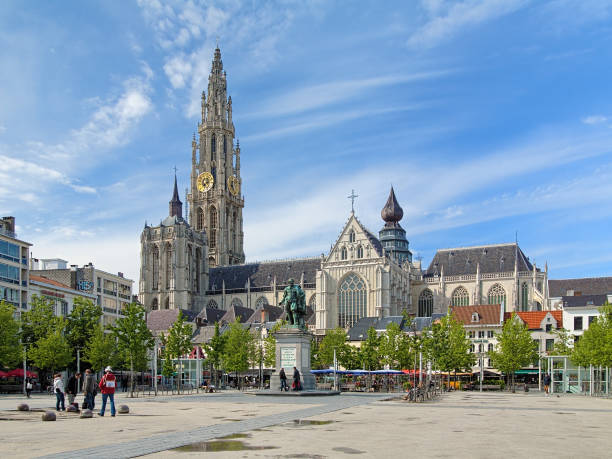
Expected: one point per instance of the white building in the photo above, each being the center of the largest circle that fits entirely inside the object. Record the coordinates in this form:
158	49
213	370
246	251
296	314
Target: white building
61	296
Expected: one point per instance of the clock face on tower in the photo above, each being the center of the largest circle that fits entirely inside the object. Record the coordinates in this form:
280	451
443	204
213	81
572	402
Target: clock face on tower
233	184
205	182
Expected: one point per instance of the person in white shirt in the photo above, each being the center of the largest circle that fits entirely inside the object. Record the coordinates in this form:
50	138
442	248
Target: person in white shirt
58	388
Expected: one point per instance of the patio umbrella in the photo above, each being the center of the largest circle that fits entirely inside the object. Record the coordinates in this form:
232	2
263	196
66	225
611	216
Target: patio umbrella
18	372
3	374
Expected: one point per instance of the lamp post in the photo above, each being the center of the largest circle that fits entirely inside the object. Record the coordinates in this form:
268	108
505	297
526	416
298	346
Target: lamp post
481	355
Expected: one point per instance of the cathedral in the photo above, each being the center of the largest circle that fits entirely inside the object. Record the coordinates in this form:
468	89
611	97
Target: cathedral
198	263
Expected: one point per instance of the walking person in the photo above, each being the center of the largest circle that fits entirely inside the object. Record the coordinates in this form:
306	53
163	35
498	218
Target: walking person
89	389
107	387
546	383
72	388
283	380
29	386
58	389
296	379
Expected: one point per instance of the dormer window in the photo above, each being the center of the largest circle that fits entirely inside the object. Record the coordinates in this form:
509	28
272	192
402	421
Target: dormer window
475	317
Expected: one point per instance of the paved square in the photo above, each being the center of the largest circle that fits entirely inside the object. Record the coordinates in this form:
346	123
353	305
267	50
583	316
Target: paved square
458	425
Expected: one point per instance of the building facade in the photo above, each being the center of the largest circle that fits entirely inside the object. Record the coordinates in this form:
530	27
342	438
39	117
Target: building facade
173	262
61	296
215	195
14	268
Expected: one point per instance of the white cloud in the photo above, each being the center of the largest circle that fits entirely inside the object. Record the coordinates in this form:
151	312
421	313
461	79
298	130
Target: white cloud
448	18
594	119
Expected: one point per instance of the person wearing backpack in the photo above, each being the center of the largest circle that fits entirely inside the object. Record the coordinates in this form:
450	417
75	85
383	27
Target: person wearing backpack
107	387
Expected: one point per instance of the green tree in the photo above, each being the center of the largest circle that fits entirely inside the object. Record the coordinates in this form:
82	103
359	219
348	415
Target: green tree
52	352
178	343
334	340
82	322
515	348
133	338
562	343
101	350
40	321
395	347
369	353
214	351
236	350
10	347
595	345
270	344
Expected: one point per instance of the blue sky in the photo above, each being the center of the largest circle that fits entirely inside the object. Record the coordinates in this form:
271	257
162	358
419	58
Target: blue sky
488	117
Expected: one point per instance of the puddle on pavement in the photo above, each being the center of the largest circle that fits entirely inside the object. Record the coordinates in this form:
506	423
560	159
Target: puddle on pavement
345	450
220	446
308	422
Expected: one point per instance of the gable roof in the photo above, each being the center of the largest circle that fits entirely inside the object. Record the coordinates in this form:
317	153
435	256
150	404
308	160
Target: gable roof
162	319
263	274
585	285
489	314
491	258
359	331
239	312
373	240
208	316
533	319
584	300
270	313
52	282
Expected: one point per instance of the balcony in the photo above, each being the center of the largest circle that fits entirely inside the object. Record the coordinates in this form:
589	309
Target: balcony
110	310
110	292
125	297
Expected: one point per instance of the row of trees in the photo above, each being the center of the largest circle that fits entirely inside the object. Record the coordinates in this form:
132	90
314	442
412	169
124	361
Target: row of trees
51	343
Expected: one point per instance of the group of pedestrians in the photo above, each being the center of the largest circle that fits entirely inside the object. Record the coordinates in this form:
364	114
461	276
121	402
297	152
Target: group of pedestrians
297	385
91	387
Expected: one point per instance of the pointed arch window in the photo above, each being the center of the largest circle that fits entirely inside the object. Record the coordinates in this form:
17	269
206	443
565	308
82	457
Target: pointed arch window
237	302
352	301
224	145
211	262
198	268
155	267
167	303
212	237
426	303
212	304
359	252
524	296
261	301
352	236
200	219
154	304
460	297
313	302
343	253
497	295
213	147
169	270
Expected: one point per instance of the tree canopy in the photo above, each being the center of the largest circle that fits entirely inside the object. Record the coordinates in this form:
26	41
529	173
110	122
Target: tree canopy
101	350
52	352
10	348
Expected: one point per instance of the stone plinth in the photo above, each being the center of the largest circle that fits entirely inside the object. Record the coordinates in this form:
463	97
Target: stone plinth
293	350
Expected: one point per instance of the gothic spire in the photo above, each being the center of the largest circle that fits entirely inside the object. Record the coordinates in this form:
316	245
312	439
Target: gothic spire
392	213
176	206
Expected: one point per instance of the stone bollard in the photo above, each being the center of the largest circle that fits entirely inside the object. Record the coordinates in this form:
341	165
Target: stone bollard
72	409
23	407
48	416
123	409
86	414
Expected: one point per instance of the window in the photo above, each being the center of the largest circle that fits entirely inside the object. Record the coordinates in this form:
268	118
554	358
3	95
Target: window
548	328
472	334
359	252
475	317
481	348
490	334
200	219
169	270
167	303
490	348
155	267
578	323
524	296
550	344
472	348
352	301
211	262
154	304
261	301
198	268
237	302
313	302
213	147
591	319
9	251
460	297
536	345
224	145
497	295
9	274
212	304
576	338
212	237
425	303
343	253
352	236
481	334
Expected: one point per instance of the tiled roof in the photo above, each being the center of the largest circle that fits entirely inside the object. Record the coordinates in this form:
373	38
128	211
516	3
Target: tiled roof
491	258
271	314
359	331
584	300
489	314
203	335
533	319
239	312
44	280
162	319
208	316
373	239
586	286
263	274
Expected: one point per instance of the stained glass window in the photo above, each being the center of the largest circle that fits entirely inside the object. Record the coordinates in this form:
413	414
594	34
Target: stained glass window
425	303
352	301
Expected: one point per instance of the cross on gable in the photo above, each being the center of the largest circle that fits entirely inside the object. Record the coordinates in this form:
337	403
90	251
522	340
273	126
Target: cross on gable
352	197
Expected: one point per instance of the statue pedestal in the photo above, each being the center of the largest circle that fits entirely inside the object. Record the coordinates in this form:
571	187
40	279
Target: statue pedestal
293	350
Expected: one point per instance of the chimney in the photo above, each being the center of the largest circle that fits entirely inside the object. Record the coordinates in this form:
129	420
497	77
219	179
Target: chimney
263	314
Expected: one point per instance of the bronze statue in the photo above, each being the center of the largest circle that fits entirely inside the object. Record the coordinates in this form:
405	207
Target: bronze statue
294	300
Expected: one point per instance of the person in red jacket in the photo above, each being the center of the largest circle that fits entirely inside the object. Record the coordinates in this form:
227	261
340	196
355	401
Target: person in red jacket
107	387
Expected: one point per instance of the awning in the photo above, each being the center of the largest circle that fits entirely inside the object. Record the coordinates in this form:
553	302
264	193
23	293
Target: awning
18	372
533	371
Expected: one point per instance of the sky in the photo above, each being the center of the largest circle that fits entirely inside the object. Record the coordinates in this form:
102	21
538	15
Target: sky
492	120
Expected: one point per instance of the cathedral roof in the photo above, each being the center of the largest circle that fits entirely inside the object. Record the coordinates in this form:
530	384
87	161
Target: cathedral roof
491	258
392	213
263	274
373	239
586	286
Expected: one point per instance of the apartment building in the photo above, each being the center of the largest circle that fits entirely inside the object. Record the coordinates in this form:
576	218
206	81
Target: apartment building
14	269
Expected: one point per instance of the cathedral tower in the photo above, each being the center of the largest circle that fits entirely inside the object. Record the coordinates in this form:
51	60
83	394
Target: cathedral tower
215	198
393	236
